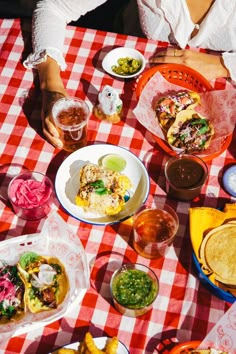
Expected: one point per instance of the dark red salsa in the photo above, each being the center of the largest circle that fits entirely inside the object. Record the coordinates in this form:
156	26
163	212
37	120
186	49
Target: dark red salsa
185	173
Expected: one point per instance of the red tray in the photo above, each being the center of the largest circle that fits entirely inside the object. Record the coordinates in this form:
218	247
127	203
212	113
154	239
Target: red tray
187	78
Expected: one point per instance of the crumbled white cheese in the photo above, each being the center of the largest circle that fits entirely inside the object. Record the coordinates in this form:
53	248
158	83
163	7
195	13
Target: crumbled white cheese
14	301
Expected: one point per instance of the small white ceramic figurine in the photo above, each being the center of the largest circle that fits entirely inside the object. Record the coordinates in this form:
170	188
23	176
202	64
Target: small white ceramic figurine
109	105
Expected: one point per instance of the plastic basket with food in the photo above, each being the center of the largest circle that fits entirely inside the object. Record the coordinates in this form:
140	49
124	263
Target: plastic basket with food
191	348
191	82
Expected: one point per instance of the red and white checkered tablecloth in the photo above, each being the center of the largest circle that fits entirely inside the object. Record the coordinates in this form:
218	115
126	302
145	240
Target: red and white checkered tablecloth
185	309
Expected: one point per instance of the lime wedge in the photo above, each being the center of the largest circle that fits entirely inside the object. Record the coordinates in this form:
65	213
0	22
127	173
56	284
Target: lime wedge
114	162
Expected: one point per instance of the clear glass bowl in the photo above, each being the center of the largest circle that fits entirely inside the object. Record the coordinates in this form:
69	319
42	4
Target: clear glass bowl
154	230
185	176
134	288
31	195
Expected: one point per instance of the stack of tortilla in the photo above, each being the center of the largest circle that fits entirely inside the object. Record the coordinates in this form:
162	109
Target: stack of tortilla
218	252
213	238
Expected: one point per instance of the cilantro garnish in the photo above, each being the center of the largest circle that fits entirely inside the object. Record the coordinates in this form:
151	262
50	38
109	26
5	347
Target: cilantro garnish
9	311
204	125
99	187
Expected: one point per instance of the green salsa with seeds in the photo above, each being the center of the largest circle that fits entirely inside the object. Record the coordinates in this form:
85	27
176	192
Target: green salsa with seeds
134	289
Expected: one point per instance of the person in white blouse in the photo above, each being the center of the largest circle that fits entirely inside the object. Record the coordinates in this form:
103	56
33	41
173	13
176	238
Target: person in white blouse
207	24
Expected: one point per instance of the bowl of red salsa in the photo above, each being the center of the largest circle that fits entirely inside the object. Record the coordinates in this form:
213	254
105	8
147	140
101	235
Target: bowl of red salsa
185	176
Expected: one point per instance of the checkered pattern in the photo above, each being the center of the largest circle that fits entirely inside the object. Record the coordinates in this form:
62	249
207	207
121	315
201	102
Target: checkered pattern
184	309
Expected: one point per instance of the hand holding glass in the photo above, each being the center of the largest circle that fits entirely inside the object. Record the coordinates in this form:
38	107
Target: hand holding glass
70	116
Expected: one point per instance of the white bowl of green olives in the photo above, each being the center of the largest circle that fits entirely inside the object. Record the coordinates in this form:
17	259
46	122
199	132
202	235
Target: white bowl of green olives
124	62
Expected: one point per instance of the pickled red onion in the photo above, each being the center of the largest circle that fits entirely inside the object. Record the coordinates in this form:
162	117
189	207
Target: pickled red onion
7	289
30	193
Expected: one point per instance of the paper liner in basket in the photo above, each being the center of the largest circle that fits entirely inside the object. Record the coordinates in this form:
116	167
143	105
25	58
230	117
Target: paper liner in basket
58	240
217	106
223	334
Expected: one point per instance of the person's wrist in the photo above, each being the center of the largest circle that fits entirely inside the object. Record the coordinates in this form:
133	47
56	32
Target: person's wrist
53	87
49	76
49	83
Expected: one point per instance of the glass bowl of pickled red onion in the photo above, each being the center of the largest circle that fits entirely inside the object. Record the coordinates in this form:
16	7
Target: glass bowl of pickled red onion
31	195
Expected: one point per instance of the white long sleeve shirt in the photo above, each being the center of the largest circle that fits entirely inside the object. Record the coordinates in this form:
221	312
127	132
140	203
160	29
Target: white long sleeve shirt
165	20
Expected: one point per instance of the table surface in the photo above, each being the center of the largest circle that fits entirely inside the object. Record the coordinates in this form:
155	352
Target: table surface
185	309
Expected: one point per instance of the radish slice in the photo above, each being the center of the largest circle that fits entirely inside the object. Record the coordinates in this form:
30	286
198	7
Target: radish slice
45	276
46	267
36	281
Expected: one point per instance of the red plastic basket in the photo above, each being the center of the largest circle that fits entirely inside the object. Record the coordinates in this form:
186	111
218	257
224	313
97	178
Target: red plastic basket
176	74
187	78
184	348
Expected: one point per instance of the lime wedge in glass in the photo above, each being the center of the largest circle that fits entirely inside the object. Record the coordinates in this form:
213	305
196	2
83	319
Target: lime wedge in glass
114	162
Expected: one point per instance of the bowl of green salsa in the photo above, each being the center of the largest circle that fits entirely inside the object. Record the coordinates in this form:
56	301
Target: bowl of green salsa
134	288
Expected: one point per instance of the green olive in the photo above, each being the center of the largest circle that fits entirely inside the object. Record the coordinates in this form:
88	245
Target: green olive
126	66
136	64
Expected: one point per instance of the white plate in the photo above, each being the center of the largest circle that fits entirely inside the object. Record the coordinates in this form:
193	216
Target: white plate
49	242
100	343
67	182
122	52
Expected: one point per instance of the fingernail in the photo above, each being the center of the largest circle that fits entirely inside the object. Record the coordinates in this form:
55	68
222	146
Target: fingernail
59	145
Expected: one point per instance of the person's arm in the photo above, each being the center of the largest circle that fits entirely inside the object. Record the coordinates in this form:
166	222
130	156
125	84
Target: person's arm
49	21
209	65
50	18
52	89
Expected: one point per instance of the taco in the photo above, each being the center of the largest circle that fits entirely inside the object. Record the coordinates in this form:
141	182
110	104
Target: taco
190	132
45	279
12	305
169	106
